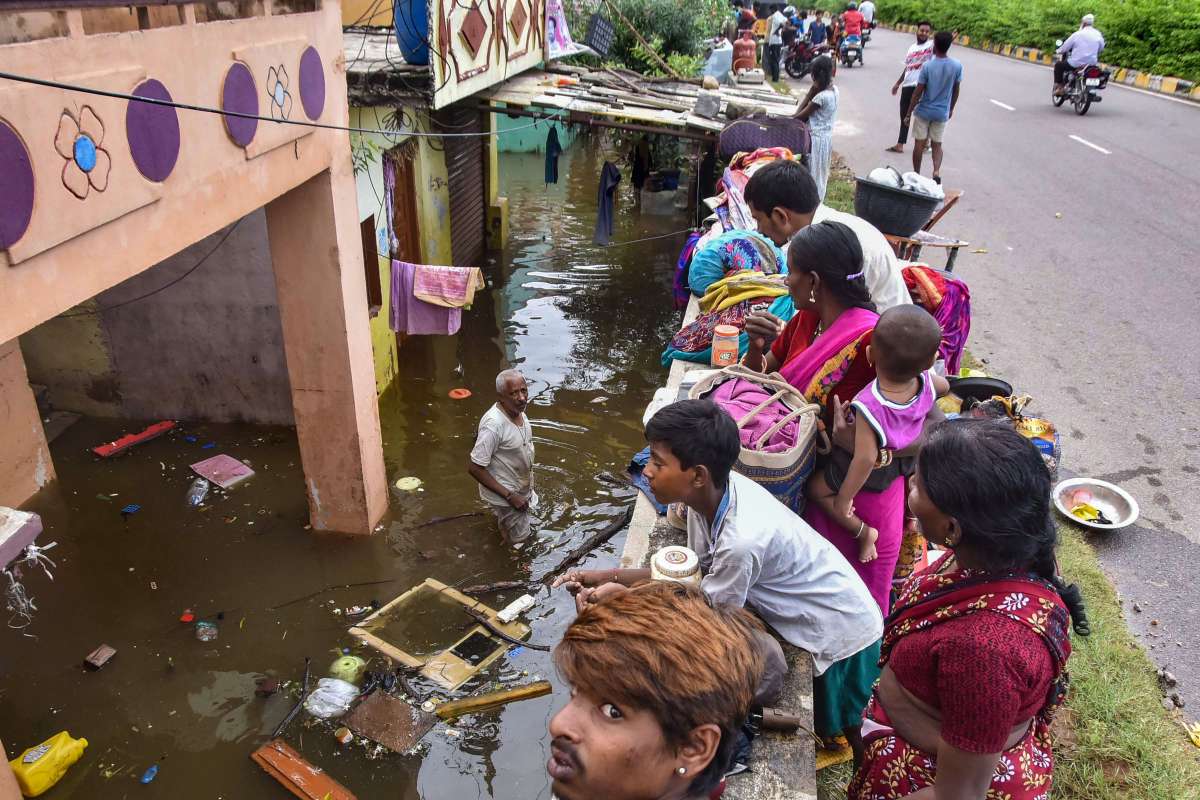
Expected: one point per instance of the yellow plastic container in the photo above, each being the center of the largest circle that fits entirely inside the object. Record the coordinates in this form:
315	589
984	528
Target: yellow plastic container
40	767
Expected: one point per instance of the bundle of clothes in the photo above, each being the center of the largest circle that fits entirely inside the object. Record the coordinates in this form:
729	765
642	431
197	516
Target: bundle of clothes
911	181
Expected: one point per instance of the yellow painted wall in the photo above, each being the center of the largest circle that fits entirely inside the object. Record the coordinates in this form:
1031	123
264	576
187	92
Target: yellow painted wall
359	12
433	207
369	182
433	203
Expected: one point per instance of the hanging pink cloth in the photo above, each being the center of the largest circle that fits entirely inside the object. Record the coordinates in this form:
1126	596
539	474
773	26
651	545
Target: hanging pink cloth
416	317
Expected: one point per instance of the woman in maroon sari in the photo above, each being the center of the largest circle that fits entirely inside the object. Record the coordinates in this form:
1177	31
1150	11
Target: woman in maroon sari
974	654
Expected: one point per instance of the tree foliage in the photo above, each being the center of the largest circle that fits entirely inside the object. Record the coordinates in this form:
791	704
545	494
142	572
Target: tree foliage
1157	36
676	29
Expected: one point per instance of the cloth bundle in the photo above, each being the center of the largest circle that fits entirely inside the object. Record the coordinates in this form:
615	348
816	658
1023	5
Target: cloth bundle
948	300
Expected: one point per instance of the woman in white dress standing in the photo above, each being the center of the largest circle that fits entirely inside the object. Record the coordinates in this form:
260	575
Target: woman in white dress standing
819	110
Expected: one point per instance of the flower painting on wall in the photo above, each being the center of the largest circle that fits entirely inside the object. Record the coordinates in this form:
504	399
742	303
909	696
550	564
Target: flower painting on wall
277	91
79	141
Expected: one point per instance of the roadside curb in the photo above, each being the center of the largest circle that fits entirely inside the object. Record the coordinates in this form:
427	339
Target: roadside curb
1161	84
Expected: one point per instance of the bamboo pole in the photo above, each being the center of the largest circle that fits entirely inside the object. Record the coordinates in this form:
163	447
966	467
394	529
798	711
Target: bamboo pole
471	705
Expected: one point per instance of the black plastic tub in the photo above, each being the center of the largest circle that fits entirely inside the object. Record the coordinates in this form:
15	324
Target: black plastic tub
895	211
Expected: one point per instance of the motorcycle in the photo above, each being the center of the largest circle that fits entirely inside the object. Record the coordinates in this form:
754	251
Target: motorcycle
866	34
799	57
851	50
1083	87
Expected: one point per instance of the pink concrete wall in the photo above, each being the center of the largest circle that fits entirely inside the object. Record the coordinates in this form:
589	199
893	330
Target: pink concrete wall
75	249
25	464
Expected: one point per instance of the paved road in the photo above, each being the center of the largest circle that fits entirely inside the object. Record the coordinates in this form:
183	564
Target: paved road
1094	313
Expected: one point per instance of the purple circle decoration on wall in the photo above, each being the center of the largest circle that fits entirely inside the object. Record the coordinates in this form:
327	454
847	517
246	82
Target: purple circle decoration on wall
153	132
238	94
312	83
16	176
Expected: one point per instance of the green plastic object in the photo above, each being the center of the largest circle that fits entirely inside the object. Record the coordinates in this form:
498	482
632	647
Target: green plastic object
348	668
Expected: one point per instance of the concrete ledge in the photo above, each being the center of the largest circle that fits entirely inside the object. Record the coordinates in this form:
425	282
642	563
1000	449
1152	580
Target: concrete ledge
1160	84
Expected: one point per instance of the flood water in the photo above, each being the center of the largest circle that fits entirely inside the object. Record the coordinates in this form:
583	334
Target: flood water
585	324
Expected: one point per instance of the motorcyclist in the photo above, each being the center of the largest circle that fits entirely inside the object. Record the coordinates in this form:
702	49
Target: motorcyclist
1081	49
852	20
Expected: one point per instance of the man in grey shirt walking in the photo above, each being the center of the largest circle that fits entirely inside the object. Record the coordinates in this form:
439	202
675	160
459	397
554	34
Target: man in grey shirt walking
502	458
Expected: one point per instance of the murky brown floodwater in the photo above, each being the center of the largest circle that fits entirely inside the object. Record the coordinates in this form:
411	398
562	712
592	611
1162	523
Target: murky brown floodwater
586	325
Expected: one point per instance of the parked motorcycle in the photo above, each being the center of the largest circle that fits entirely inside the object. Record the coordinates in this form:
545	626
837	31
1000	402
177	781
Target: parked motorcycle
851	50
799	57
1083	87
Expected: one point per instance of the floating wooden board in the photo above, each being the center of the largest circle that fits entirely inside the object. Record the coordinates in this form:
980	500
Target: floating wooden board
444	668
390	721
296	774
133	439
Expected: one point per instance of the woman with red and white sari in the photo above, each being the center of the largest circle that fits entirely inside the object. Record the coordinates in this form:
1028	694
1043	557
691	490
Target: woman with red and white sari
975	650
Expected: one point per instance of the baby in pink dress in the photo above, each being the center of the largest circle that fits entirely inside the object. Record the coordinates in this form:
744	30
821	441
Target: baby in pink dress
889	415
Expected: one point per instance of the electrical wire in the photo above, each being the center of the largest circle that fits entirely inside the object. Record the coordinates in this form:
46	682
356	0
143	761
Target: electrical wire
222	112
191	269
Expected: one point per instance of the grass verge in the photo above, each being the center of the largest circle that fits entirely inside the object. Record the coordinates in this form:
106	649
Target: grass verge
839	191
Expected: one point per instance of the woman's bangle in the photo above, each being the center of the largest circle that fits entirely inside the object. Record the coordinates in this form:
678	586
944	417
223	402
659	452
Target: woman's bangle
884	459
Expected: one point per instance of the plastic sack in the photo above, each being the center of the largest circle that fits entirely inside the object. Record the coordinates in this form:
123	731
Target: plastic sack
888	176
916	182
331	698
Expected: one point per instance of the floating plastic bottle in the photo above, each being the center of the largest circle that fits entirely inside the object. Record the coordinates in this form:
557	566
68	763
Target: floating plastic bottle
150	774
197	492
40	767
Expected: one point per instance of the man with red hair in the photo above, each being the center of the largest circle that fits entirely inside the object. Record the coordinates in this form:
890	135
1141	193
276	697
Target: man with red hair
661	681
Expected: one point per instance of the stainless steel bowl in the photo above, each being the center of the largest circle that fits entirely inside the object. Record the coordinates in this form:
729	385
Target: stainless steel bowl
1116	503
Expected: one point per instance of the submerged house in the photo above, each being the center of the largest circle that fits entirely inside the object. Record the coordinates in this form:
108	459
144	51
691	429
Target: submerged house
160	262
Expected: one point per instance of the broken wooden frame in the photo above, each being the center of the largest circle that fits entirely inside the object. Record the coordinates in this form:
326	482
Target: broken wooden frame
445	668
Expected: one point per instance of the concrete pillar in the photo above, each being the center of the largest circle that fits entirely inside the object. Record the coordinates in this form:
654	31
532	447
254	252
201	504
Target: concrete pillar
317	256
25	464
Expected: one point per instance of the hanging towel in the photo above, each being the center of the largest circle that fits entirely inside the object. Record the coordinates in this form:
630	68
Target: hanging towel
553	148
450	287
610	176
416	317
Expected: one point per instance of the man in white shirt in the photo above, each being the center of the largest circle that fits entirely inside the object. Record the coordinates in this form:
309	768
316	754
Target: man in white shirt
906	84
783	199
1082	48
775	41
756	552
867	9
502	458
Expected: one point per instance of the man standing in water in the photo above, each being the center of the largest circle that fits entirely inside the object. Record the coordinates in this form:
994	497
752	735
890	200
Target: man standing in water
502	459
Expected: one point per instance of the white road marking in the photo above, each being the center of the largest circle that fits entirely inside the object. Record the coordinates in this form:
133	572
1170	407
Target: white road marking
1005	106
1085	142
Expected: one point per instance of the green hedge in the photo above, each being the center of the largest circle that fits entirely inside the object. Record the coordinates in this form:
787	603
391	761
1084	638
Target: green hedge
1157	36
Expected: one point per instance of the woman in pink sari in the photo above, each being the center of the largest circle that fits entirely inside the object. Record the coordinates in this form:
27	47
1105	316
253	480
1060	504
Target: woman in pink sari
822	352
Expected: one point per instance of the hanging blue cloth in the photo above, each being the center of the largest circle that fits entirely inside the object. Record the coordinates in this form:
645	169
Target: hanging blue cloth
553	149
610	176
